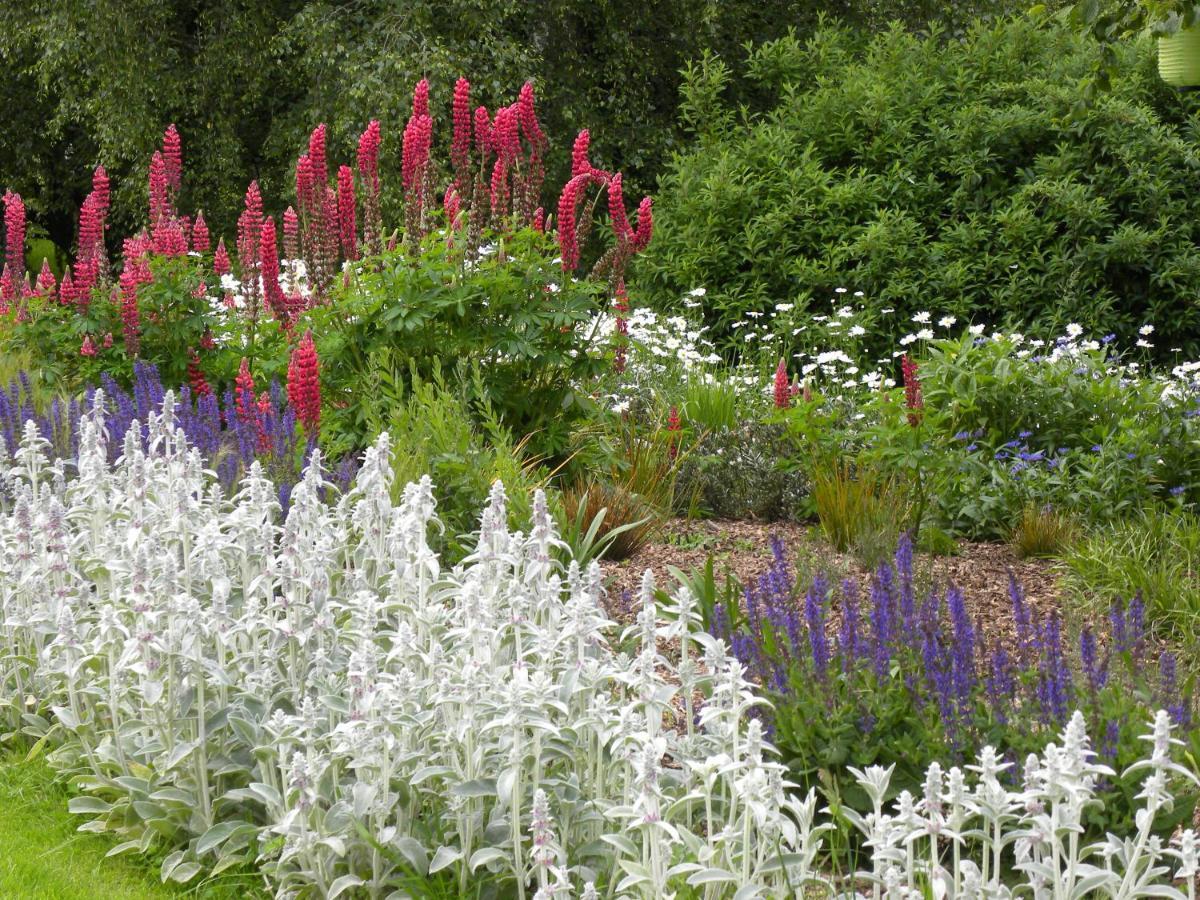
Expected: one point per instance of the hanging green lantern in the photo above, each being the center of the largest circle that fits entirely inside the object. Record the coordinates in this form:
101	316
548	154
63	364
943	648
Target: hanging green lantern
1179	57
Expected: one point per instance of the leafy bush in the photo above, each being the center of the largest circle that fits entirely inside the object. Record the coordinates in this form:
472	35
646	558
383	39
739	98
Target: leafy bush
939	174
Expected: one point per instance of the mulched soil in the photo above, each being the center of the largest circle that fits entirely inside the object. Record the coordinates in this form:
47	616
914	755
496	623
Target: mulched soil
981	570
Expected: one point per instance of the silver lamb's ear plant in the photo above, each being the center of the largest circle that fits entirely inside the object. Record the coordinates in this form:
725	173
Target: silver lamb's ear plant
319	693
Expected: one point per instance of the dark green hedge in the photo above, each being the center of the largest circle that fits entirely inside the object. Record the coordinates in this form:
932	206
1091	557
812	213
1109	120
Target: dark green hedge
942	176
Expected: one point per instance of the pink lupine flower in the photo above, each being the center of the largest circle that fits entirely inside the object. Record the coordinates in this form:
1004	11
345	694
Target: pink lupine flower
568	203
674	426
8	291
316	156
91	227
221	259
100	188
418	135
579	154
160	207
196	377
250	230
169	239
269	262
529	121
421	98
66	290
291	234
346	207
368	156
14	236
305	181
451	204
88	347
499	189
616	210
483	131
539	219
645	225
304	383
200	237
912	390
172	154
783	397
460	144
46	283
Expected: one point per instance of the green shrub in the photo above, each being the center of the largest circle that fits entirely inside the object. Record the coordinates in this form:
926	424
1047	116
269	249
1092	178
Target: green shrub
939	175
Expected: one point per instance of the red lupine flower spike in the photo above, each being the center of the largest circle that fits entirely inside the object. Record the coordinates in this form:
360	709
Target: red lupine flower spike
46	283
912	390
483	131
160	206
291	234
316	156
14	235
196	376
200	237
172	154
783	397
221	259
673	428
421	98
243	393
100	189
579	154
346	209
269	262
304	384
88	348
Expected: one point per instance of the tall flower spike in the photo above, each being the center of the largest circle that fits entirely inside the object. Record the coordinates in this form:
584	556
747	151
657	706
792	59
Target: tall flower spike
783	396
221	259
579	154
368	155
201	242
291	234
66	290
483	131
100	188
304	384
159	204
529	121
46	283
14	236
460	144
243	392
316	156
172	151
421	98
269	259
346	206
912	390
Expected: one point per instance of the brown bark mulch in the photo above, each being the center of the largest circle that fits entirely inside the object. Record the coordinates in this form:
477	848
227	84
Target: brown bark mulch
980	570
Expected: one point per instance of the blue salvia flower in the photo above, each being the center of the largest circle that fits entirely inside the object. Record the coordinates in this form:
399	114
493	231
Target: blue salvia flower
1169	697
814	616
904	573
850	642
963	656
1001	684
1021	618
882	619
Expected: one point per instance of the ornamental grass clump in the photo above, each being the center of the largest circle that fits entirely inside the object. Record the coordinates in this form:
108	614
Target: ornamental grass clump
318	694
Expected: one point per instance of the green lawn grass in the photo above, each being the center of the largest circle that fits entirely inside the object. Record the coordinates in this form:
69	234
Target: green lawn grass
44	857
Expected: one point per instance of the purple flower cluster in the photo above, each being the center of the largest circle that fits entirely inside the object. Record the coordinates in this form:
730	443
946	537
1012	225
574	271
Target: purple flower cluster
931	649
228	444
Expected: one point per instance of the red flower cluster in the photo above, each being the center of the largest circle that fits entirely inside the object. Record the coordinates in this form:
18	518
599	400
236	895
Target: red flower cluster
912	390
783	394
460	144
169	239
88	347
291	234
269	262
316	156
368	173
345	201
304	383
201	242
195	376
160	205
483	131
243	392
14	238
421	99
46	283
221	259
172	154
249	239
135	273
673	428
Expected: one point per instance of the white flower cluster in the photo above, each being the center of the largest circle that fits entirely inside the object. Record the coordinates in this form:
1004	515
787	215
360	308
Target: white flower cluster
314	689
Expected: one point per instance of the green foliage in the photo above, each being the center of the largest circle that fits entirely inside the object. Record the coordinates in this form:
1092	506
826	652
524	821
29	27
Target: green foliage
1156	554
434	433
505	313
743	472
940	175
